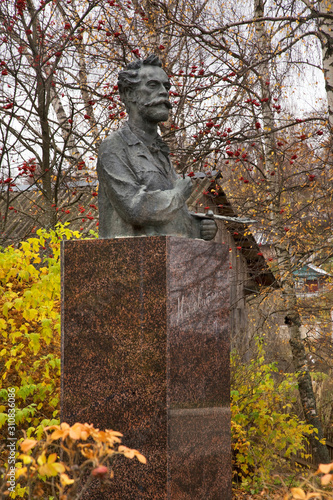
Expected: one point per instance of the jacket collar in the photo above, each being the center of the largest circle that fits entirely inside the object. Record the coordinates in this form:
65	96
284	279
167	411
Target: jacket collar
128	136
132	139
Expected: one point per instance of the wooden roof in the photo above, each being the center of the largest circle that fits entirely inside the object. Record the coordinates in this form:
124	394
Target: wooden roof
210	191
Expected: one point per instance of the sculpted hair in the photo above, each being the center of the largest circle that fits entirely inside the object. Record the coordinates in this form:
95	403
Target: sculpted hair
129	77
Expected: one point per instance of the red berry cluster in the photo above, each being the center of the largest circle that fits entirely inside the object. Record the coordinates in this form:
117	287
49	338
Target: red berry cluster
28	167
20	6
81	164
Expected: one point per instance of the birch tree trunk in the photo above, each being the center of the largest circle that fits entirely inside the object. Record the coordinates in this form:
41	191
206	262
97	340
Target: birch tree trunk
281	245
326	38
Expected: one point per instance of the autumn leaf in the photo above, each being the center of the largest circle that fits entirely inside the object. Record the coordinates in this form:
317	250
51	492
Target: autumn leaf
26	459
325	468
298	493
326	479
77	430
61	431
28	444
21	472
141	458
88	451
65	480
49	466
129	453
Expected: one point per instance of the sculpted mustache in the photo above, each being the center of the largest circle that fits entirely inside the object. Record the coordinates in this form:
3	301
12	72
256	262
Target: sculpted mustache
159	101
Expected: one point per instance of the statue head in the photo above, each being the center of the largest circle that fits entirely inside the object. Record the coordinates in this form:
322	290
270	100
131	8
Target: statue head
144	88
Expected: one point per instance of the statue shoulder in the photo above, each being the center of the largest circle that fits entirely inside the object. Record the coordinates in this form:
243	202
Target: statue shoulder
114	140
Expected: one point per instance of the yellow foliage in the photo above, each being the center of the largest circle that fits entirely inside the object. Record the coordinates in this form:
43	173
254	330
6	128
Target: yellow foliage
30	329
263	428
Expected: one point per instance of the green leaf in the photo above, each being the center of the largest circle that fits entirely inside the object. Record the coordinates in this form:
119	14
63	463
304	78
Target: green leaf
6	307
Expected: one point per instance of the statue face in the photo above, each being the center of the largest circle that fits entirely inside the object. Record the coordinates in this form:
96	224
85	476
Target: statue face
152	94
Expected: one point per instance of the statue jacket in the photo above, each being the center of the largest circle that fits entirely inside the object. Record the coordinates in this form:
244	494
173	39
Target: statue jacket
136	192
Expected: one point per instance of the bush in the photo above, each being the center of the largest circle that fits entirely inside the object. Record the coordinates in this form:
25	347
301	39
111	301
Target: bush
30	329
86	454
264	428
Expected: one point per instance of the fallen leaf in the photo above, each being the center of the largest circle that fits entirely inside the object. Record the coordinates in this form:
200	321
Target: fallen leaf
298	493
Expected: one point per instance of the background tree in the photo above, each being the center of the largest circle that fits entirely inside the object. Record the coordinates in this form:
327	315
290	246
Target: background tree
278	138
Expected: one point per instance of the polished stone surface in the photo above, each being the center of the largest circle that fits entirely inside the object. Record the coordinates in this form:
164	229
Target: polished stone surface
145	350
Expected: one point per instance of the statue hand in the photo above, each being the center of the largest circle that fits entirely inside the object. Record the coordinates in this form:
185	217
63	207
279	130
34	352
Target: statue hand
184	186
208	229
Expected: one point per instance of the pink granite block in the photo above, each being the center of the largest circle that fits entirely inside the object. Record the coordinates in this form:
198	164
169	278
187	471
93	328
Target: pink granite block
145	350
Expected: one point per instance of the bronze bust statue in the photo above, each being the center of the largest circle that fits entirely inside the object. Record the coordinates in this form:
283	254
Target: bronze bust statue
139	191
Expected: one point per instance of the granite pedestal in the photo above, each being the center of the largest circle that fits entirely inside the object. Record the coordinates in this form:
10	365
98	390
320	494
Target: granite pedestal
145	351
